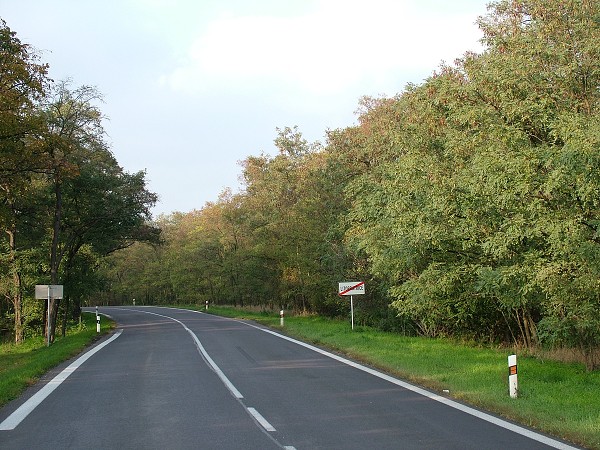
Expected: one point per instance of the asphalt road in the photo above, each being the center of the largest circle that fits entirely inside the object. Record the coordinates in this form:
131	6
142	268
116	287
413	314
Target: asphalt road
175	379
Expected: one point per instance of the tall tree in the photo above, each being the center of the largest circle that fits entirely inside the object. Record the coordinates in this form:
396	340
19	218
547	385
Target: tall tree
22	84
104	209
480	201
93	201
73	128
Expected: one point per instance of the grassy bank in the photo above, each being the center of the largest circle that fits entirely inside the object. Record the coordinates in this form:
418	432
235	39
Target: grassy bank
557	398
22	365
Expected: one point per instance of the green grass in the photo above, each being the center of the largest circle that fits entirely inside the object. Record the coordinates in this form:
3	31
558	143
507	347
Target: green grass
557	398
22	365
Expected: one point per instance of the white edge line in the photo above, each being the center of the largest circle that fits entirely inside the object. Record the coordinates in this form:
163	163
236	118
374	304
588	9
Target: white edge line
438	398
260	419
12	421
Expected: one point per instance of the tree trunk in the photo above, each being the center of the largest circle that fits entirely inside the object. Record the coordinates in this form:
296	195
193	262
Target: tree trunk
530	328
17	291
65	318
18	308
54	255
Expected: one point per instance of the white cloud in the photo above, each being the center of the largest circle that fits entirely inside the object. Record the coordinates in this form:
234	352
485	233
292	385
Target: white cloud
330	48
319	62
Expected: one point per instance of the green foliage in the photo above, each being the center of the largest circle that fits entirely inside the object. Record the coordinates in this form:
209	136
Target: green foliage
468	203
260	247
64	201
484	208
22	84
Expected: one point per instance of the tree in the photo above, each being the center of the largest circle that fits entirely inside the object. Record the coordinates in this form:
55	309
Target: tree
478	203
274	199
60	186
94	202
544	59
104	209
22	84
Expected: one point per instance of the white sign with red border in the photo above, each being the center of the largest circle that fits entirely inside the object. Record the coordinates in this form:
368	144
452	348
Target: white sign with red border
351	288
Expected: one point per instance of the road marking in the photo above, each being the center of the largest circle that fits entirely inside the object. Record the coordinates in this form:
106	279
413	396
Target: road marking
267	427
260	419
237	394
438	398
11	422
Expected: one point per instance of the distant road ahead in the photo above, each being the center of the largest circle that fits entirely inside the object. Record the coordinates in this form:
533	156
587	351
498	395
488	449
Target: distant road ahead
175	379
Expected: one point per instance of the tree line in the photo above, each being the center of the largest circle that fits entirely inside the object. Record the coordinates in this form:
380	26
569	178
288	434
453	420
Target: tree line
468	203
65	203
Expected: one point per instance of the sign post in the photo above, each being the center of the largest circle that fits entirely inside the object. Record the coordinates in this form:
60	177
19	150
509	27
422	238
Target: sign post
47	292
351	288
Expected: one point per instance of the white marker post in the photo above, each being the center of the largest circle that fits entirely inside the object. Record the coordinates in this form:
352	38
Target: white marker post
281	317
351	288
97	321
513	385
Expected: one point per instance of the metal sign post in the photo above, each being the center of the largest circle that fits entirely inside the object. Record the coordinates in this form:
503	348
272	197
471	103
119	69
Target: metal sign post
351	288
352	311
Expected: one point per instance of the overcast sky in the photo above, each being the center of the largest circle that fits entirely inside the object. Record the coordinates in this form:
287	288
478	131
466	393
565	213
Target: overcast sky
192	87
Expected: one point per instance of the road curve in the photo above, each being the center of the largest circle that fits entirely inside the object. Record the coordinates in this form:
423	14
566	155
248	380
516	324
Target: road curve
180	379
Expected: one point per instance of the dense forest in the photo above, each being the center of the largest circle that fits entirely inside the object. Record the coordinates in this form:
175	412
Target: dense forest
469	203
65	203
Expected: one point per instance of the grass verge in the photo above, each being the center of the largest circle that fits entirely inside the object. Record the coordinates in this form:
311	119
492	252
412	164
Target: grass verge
22	365
556	398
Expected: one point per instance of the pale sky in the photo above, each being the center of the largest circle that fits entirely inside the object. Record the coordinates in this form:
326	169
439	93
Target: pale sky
192	87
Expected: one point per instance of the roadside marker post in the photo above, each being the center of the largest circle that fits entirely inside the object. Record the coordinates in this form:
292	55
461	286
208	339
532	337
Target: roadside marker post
351	288
281	317
206	305
513	385
97	320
